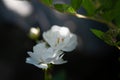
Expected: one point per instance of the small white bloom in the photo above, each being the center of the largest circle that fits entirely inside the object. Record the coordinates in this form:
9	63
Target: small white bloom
42	55
60	38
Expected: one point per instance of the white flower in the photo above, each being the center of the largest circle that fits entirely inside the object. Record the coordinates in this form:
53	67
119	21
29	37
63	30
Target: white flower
42	56
60	38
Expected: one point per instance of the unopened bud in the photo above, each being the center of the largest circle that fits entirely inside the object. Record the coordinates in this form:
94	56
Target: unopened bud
34	33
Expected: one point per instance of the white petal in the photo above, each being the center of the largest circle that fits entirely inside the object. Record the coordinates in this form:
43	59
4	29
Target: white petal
71	44
34	56
43	66
39	48
55	28
59	61
64	31
56	56
41	51
49	53
31	61
49	57
50	38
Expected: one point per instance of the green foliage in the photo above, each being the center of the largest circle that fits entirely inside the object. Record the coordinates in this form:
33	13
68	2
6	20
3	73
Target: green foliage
64	8
117	21
47	2
75	4
89	7
116	14
110	9
98	33
106	5
109	37
112	35
118	43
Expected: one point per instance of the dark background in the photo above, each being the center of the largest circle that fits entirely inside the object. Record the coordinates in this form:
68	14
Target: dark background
91	60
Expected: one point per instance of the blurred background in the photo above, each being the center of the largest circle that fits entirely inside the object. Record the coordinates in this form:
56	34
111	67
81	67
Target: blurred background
92	59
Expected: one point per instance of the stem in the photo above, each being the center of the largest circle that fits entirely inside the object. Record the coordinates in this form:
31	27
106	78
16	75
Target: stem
110	24
47	74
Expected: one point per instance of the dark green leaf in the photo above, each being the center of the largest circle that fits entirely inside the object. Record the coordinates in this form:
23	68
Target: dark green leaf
64	8
89	7
76	4
118	43
112	10
110	37
98	33
116	9
117	21
108	15
103	36
47	2
107	5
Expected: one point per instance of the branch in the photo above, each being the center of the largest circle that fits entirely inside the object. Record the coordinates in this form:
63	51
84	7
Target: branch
110	24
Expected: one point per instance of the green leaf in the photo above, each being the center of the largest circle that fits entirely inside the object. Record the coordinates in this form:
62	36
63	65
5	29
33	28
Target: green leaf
107	38
110	37
47	2
98	33
107	5
116	11
108	15
89	7
118	43
112	10
76	4
117	21
64	8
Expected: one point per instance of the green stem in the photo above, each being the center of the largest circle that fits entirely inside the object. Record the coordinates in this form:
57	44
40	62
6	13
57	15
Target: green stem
47	74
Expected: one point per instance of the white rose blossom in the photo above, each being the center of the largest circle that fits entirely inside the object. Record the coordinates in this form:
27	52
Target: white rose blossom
60	38
43	55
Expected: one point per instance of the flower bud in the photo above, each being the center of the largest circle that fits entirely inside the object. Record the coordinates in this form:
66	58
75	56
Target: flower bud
34	33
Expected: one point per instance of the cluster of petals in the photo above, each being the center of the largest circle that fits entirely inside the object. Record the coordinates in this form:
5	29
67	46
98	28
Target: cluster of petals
59	39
